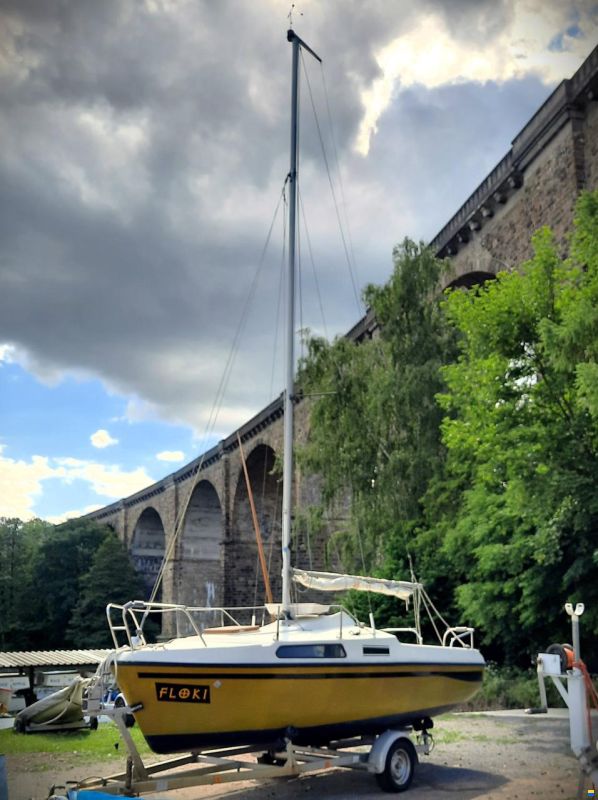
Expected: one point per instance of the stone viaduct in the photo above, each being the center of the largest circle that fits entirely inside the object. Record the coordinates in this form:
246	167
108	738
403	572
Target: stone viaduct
213	560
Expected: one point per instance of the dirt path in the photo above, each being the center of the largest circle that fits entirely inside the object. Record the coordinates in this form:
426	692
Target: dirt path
476	757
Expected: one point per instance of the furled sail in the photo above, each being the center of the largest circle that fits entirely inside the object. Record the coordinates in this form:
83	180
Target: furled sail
334	582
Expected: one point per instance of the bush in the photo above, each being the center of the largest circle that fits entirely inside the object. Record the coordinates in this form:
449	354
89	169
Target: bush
509	687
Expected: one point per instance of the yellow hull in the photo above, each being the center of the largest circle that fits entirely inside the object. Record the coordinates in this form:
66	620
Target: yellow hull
187	707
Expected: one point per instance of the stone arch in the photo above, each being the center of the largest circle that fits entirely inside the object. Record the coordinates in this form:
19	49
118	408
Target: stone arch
244	582
147	546
198	572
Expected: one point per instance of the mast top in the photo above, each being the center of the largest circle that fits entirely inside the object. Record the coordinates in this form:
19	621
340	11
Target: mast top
292	37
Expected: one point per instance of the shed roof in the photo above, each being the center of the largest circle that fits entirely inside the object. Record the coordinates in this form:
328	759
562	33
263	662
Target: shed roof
51	658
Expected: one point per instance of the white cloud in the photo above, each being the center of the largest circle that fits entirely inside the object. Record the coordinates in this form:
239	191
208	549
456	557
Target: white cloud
101	438
6	353
22	484
56	520
171	455
106	480
22	481
430	56
139	410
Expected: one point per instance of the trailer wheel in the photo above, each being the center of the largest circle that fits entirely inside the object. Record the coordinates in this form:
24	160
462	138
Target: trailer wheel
399	767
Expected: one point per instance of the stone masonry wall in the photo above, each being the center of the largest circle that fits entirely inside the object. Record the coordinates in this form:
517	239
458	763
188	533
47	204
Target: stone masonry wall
591	146
551	185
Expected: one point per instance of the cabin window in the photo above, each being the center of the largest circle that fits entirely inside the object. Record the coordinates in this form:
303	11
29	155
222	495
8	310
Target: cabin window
376	651
311	651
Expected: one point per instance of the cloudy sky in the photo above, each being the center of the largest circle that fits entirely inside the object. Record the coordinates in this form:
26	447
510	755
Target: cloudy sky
144	151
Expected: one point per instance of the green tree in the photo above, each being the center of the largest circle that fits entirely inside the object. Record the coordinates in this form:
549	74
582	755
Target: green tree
64	555
522	436
19	542
492	491
375	429
111	578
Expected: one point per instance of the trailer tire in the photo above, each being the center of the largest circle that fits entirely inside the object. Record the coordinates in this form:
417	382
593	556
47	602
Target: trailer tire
399	767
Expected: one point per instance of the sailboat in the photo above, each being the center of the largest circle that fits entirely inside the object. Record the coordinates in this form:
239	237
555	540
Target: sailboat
309	674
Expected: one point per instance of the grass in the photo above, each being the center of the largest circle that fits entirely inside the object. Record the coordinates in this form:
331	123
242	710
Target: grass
448	737
98	744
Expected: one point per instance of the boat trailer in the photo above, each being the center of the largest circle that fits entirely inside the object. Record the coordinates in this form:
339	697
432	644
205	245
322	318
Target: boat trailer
563	665
391	757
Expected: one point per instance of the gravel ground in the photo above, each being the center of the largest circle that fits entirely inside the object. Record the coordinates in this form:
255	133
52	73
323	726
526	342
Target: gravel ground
499	756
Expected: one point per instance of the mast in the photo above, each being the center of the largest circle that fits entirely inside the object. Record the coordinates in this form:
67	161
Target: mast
287	466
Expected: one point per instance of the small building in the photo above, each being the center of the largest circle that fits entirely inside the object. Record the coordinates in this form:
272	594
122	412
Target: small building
32	675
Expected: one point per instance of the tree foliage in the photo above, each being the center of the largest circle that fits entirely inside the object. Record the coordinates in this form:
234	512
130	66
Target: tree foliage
49	575
467	436
111	578
522	436
18	544
375	431
59	562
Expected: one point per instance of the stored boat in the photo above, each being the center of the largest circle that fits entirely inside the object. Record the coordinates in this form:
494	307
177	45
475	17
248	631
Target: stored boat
59	711
5	697
308	674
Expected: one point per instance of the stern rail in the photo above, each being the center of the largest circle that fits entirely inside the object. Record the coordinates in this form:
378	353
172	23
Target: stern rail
461	635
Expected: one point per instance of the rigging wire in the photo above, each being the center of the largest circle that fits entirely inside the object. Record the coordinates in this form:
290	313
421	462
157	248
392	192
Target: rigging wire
339	173
300	288
346	240
358	302
218	400
313	265
363	566
256	524
416	597
425	599
276	527
283	258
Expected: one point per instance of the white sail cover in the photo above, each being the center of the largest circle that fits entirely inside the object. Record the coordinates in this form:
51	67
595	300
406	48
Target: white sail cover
333	582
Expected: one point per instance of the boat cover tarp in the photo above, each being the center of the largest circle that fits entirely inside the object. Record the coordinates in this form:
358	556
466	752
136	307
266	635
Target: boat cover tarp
334	582
64	707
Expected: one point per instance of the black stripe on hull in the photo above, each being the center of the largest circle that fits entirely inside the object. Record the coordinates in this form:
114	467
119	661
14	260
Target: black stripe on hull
275	738
314	663
471	675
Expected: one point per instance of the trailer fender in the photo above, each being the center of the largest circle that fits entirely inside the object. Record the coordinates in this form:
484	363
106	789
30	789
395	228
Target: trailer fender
380	748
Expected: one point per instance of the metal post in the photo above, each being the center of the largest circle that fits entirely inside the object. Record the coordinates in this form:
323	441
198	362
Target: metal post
575	614
577	695
287	465
3	779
